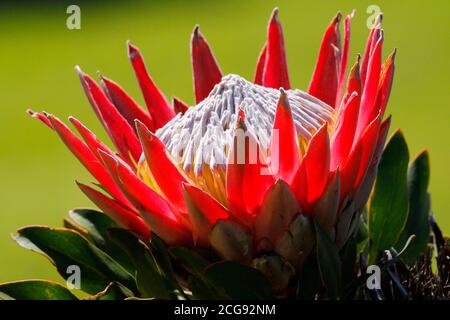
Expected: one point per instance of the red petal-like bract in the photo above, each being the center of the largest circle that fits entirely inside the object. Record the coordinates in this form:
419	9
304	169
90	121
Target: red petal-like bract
204	211
386	79
118	129
91	140
344	132
354	82
152	207
157	104
127	107
324	82
126	218
258	79
275	73
344	60
371	41
178	106
349	171
355	168
368	141
284	149
204	66
248	176
363	192
166	174
88	159
256	205
41	117
382	136
368	110
310	179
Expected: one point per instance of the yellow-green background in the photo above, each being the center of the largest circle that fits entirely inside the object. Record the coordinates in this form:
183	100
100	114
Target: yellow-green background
38	53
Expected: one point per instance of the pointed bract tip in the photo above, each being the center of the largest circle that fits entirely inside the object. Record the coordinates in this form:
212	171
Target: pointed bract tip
107	159
241	114
380	18
79	71
337	18
275	11
133	51
393	55
387	121
140	126
196	30
196	34
185	185
274	16
143	131
283	99
240	121
351	14
324	127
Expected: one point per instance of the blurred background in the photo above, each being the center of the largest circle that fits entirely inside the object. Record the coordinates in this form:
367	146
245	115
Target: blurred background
38	54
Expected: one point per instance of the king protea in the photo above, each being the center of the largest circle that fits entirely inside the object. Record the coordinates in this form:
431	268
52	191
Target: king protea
249	169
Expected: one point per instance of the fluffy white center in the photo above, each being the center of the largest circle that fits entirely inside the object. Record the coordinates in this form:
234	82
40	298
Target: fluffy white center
202	136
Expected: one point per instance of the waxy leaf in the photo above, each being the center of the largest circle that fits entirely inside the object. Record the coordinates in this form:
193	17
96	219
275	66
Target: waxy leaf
309	282
65	248
388	210
419	207
161	255
95	225
150	282
329	263
239	281
201	290
34	290
190	260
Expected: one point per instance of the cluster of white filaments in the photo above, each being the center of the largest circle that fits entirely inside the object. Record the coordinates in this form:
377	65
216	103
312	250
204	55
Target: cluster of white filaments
199	140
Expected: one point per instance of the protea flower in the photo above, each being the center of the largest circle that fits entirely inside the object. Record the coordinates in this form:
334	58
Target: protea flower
249	169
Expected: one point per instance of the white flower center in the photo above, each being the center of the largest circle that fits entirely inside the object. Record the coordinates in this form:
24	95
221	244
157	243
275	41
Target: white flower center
201	137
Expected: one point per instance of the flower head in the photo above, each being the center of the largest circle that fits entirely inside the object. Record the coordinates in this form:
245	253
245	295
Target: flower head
250	167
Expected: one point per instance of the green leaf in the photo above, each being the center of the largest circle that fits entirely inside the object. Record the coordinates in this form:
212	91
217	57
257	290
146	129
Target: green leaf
35	290
162	258
201	290
239	281
309	282
150	281
65	247
419	208
329	263
95	222
114	291
94	226
388	210
190	260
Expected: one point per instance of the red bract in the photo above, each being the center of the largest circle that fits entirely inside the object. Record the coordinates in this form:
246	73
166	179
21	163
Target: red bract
247	168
